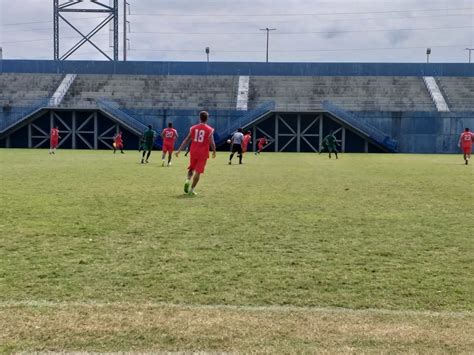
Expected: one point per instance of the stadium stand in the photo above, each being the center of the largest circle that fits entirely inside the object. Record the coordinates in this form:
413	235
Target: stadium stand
23	89
359	93
22	94
459	92
297	103
154	92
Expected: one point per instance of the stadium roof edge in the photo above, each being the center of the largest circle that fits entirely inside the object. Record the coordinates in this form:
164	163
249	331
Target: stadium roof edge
236	68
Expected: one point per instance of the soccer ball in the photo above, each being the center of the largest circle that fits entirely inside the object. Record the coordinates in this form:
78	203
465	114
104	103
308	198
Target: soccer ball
228	141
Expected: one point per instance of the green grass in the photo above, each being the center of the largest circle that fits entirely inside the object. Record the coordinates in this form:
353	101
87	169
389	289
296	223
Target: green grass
366	231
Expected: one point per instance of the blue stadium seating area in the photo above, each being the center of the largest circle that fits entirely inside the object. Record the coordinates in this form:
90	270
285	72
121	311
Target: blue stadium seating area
389	102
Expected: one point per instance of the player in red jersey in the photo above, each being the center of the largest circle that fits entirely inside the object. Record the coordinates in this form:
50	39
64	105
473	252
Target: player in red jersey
465	143
262	142
54	138
169	136
118	142
201	137
245	142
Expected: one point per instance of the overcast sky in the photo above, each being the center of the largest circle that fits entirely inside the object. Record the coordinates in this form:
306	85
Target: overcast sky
306	30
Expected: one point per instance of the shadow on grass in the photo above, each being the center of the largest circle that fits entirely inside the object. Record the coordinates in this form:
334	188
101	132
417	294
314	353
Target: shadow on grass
185	196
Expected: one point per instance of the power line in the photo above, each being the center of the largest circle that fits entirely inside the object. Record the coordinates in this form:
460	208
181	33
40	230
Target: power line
301	32
298	14
300	50
29	30
50	21
50	39
24	23
255	33
211	22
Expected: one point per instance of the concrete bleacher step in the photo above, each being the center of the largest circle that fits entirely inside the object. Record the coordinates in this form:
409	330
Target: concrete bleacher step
184	90
356	90
187	91
24	89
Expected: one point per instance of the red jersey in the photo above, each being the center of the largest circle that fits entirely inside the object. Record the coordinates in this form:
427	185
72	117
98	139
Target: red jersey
246	140
118	139
54	133
169	136
262	142
466	139
200	140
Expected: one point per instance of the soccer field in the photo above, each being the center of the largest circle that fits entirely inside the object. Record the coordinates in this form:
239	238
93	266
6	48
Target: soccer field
285	253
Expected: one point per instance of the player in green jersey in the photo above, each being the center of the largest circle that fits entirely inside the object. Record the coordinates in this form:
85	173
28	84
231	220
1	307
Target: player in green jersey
148	141
330	144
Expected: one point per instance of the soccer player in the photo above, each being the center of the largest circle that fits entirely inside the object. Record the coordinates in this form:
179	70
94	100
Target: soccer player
236	145
201	137
140	144
169	136
54	138
148	141
187	150
465	143
329	143
118	142
245	142
262	142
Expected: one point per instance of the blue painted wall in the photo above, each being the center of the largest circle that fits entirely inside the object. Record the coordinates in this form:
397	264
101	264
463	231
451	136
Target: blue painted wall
421	132
236	68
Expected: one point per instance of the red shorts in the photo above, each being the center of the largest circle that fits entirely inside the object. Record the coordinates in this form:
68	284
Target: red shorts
168	148
467	149
260	147
197	164
53	143
118	145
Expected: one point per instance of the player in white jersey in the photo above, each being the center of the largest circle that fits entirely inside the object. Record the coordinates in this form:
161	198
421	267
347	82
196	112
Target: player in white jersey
236	145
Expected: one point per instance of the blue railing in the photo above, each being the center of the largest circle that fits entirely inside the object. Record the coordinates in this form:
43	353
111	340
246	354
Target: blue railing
13	115
236	68
245	120
113	109
186	119
371	131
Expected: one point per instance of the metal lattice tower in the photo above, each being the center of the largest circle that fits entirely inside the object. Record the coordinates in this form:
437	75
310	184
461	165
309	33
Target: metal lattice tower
61	7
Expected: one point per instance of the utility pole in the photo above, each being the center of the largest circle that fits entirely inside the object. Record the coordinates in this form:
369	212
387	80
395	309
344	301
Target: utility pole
268	36
126	26
470	50
428	52
208	50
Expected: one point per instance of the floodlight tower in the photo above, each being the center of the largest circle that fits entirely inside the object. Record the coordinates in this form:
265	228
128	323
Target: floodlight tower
61	7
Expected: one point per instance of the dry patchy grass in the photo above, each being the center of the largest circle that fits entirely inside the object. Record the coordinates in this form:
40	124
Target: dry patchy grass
160	327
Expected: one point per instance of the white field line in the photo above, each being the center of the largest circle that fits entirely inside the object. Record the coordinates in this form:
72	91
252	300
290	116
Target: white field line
269	308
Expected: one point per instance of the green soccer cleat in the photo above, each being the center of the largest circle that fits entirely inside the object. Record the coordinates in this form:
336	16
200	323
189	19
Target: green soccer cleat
186	186
192	193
